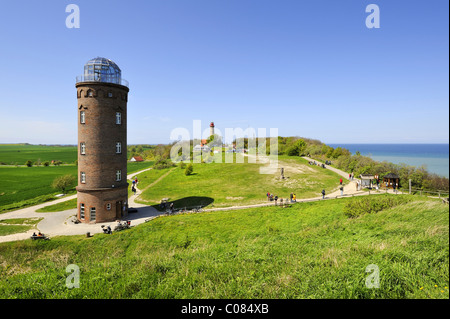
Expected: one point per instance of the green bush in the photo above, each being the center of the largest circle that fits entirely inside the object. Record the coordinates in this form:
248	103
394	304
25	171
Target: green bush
189	169
163	163
372	204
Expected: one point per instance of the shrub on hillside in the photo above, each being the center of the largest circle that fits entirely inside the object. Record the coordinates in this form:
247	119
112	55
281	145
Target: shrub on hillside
163	163
189	169
372	204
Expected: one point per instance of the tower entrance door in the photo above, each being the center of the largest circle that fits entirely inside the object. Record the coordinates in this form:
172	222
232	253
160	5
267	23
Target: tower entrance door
119	209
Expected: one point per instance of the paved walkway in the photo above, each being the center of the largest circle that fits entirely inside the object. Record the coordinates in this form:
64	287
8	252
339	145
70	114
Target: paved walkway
60	223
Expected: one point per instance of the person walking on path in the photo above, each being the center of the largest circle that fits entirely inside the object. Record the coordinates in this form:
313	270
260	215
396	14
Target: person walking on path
340	181
276	199
323	194
342	191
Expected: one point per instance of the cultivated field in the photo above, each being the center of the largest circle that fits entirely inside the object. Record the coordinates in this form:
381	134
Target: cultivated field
18	154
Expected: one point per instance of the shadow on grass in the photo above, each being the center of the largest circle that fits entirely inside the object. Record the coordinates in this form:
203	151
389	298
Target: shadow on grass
187	202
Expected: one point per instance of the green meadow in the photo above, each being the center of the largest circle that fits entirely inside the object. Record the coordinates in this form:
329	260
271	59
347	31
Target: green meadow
310	250
235	184
12	154
25	186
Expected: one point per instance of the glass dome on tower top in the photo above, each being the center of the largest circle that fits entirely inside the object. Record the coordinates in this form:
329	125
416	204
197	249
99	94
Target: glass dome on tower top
102	70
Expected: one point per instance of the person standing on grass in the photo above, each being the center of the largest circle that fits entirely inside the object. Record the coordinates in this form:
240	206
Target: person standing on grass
340	181
268	196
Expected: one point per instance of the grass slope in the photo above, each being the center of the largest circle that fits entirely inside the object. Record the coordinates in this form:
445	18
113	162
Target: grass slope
234	184
311	250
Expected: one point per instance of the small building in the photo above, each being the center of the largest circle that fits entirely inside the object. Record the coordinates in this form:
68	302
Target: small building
136	159
366	180
391	179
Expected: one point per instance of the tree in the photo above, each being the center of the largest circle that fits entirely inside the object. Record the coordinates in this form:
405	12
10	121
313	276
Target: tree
63	182
297	149
29	163
189	169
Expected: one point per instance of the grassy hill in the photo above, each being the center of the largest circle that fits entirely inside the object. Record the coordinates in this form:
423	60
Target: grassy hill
311	250
235	184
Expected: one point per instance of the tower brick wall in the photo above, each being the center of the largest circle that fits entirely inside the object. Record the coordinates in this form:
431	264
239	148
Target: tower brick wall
98	161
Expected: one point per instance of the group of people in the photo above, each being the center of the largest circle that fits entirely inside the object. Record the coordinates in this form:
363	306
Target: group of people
168	207
272	197
38	235
318	164
133	185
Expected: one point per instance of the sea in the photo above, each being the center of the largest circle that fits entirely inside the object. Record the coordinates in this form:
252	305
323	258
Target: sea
435	157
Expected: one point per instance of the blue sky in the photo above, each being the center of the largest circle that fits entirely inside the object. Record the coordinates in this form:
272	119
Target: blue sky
309	68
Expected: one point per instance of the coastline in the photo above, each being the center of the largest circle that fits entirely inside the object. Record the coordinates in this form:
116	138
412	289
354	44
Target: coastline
435	157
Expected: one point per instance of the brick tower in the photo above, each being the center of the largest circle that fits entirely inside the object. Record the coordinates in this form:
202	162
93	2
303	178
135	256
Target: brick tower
102	96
